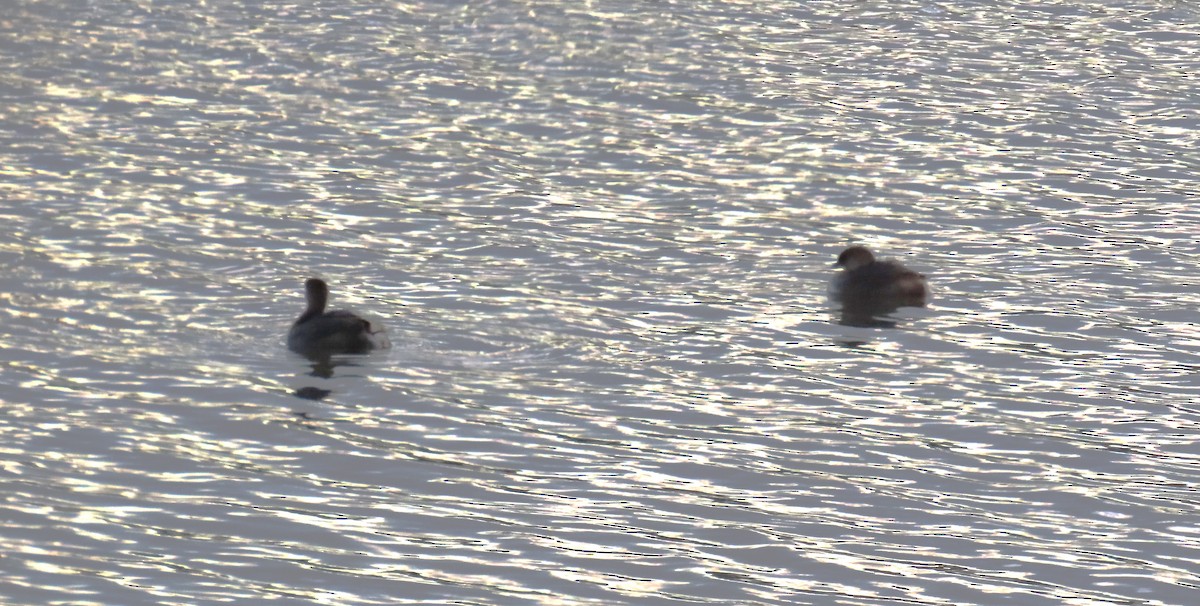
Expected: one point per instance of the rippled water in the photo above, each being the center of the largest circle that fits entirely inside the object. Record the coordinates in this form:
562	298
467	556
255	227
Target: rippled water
599	235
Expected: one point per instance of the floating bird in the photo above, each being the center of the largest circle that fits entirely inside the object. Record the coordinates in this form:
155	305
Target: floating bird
867	288
320	333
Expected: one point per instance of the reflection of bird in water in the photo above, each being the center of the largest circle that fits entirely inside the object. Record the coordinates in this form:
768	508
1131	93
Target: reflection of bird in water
868	288
311	393
318	333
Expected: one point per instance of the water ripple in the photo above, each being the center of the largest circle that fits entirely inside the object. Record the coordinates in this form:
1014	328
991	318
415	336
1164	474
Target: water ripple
599	236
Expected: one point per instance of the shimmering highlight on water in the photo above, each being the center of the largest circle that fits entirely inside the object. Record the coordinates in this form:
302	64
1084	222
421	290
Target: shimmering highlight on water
599	235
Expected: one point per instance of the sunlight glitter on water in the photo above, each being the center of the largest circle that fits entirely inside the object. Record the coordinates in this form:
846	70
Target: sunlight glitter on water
600	238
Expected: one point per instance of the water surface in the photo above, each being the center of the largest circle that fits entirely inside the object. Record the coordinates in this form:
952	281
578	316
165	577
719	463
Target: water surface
599	235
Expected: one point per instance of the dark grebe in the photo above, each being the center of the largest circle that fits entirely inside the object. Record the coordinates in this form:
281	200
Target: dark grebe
319	333
869	288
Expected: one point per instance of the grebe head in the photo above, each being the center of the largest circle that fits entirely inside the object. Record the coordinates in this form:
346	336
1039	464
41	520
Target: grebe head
316	291
855	257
